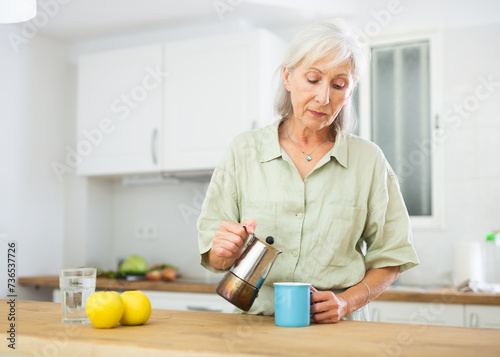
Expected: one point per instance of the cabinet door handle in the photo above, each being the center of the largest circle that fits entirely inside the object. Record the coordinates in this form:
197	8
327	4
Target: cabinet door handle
376	315
154	139
202	308
473	320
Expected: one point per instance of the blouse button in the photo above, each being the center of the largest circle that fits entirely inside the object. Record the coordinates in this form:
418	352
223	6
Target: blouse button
299	215
295	253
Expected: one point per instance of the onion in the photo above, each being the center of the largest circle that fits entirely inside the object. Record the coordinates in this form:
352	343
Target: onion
169	274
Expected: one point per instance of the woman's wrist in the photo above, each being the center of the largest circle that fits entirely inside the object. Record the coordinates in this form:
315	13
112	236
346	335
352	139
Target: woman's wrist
373	284
369	291
355	297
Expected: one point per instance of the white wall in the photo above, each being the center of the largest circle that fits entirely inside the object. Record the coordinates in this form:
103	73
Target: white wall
33	129
173	208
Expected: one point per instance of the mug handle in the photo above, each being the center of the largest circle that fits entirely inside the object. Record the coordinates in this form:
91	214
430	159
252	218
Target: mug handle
310	293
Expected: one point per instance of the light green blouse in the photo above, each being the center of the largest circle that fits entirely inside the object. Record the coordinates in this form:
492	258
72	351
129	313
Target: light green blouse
346	217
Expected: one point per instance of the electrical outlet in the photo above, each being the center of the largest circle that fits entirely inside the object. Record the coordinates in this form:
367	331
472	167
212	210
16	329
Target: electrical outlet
146	231
139	231
151	231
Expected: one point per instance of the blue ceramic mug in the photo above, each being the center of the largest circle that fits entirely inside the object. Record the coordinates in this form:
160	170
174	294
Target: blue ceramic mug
292	304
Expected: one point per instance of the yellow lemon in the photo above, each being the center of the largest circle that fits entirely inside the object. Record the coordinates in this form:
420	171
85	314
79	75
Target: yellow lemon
104	309
137	308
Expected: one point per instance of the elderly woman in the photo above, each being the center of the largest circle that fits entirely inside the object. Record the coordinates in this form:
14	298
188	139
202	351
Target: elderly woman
329	198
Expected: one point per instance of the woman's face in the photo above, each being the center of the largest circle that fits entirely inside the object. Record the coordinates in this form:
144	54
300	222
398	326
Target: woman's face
318	92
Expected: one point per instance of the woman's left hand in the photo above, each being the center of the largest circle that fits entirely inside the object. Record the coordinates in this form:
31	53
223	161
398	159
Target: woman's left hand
327	307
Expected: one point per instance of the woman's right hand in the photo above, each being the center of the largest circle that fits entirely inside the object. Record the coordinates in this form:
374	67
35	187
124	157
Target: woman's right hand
229	242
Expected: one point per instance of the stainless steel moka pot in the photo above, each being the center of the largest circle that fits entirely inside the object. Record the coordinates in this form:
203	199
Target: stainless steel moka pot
240	286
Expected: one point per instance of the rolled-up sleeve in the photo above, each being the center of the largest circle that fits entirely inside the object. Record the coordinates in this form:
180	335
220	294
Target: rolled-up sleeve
388	231
220	204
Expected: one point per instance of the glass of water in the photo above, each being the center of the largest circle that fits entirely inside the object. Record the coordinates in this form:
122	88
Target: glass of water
76	285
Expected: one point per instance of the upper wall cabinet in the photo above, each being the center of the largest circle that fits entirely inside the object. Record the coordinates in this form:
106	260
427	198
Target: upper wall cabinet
216	88
176	106
120	111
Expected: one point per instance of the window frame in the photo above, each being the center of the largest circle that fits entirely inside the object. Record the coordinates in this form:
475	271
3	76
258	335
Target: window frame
433	36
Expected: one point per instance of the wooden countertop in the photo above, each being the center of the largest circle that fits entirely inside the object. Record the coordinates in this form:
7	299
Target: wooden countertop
121	284
40	332
443	295
448	295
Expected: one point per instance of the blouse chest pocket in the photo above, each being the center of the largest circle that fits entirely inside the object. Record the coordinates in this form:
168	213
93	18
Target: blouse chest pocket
264	213
336	245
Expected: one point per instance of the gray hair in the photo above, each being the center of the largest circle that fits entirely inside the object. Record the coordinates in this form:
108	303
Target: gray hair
334	39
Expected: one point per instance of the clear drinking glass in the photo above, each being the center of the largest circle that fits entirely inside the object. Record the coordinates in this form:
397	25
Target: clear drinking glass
76	285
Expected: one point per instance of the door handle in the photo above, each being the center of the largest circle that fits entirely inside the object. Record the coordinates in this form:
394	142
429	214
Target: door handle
154	139
473	320
202	308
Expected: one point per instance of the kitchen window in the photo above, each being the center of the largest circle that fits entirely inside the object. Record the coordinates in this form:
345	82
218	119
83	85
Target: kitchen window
396	106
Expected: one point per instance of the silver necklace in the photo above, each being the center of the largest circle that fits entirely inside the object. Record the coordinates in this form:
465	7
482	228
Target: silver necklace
308	156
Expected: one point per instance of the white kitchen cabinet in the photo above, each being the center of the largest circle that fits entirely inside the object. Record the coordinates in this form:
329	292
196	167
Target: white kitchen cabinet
487	316
188	301
217	87
119	95
178	301
417	313
175	106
